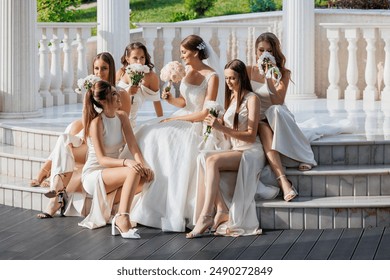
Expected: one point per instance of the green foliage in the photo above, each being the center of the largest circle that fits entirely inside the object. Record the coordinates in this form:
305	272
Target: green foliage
262	5
361	4
57	11
321	3
181	16
200	7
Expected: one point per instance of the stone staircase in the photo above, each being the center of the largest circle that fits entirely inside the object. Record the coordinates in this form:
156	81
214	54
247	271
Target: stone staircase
350	188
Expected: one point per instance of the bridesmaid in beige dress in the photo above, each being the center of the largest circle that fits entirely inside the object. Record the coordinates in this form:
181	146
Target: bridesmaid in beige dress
280	135
228	206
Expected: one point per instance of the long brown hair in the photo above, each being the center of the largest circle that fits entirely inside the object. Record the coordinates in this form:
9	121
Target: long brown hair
276	49
107	58
101	90
134	46
244	86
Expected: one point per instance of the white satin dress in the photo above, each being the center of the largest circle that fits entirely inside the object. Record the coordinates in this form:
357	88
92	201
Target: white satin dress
113	142
143	94
170	149
237	188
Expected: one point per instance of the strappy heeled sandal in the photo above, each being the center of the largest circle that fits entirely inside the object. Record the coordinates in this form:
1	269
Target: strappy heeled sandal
115	230
304	166
292	193
42	182
205	230
58	184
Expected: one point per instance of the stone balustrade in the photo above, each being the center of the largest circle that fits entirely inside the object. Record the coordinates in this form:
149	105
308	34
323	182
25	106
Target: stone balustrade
365	60
62	60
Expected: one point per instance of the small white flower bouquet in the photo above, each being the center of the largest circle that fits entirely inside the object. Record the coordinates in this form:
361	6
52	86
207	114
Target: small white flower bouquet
172	72
267	61
86	83
136	72
216	110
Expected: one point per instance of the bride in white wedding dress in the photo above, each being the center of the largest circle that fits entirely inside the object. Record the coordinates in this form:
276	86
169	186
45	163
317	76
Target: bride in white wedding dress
170	147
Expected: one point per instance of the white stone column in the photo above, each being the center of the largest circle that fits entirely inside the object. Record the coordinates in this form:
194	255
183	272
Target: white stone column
370	93
19	76
385	95
298	46
352	92
333	91
113	27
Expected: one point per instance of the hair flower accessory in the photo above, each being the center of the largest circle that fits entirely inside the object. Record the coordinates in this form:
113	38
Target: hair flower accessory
201	46
136	72
267	62
86	83
216	110
172	72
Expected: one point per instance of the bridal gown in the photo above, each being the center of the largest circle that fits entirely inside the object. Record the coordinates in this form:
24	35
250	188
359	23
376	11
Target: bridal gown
238	189
170	149
138	99
92	180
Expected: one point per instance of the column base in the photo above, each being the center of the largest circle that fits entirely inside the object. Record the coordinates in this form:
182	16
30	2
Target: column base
385	96
352	94
333	94
370	95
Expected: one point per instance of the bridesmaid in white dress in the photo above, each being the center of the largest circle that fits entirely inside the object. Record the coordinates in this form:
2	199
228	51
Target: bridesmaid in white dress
170	147
231	211
69	154
148	90
105	177
279	133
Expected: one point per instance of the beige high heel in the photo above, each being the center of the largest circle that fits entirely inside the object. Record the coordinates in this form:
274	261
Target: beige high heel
292	193
218	221
205	230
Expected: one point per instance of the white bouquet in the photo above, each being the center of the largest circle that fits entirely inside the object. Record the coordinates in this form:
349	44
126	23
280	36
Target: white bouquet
216	110
172	72
267	61
86	83
136	72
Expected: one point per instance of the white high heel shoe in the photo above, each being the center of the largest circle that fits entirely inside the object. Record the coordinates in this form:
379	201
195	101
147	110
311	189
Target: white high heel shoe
115	230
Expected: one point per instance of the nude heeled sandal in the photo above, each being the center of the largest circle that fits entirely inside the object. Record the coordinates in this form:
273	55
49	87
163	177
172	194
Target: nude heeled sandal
292	193
115	230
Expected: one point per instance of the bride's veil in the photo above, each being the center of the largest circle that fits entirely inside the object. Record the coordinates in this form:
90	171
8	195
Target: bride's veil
213	61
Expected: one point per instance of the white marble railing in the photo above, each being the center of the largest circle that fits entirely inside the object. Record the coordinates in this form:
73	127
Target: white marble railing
365	60
62	60
229	40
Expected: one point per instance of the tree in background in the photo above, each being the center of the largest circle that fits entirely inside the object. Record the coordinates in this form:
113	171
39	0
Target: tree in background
57	11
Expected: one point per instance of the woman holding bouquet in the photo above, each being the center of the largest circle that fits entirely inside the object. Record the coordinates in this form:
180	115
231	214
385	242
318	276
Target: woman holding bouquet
68	156
224	204
148	87
170	146
279	133
105	177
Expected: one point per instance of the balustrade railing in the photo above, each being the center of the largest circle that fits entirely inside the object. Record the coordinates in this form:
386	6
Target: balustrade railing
365	60
62	60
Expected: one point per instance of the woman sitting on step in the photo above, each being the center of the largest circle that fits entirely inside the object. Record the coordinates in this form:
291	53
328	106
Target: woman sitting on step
105	177
65	162
281	137
225	204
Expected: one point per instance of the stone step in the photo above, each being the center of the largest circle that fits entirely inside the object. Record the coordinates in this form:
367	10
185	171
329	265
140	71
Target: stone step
29	138
342	180
21	162
324	212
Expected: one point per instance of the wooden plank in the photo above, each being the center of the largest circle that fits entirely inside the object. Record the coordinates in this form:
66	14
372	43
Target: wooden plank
212	249
282	244
157	241
260	245
105	244
347	244
236	248
325	244
303	245
170	248
192	247
383	251
368	244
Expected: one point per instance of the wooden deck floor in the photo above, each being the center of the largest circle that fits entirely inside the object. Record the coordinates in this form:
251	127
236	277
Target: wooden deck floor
24	237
